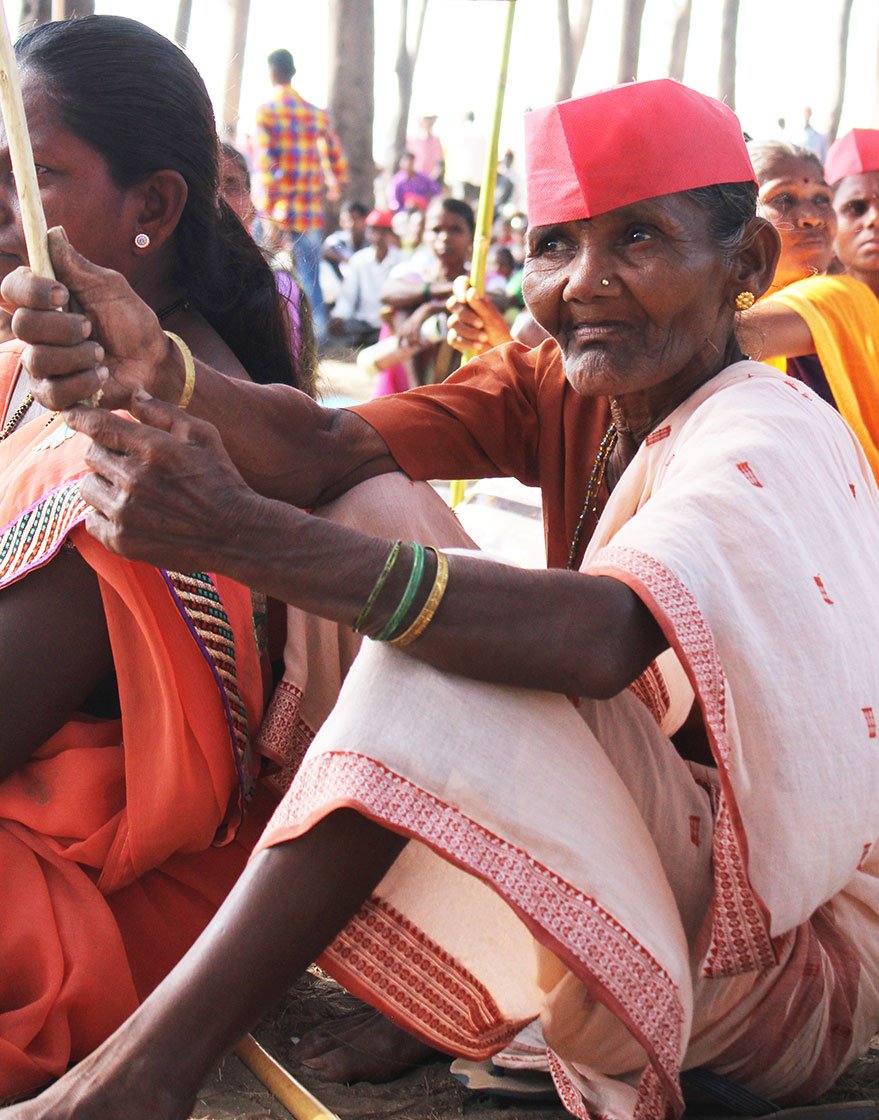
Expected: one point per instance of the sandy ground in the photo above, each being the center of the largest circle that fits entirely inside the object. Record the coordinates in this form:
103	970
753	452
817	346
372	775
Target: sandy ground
429	1093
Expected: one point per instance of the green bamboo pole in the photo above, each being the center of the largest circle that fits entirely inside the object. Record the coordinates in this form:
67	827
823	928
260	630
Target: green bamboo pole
22	157
485	209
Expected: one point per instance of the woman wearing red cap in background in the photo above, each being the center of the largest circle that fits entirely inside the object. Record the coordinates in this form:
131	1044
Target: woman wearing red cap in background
674	869
821	329
852	169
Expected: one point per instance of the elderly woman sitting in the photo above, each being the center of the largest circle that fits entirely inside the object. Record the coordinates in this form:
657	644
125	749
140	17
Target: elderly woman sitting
649	783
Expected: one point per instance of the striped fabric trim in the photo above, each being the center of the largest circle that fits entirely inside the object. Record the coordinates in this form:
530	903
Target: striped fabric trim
37	534
198	600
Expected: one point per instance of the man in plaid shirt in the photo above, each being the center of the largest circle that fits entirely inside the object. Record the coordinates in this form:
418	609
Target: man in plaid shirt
299	156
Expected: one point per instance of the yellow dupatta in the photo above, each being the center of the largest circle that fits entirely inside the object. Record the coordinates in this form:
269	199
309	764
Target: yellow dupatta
843	316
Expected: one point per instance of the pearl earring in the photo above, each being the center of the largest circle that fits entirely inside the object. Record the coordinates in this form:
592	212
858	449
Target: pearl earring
142	240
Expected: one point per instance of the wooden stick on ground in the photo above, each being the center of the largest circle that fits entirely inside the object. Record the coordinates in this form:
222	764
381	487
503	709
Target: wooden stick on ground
22	157
284	1088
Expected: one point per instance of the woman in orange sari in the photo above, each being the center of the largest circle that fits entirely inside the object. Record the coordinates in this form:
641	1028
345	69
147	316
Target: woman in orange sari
130	694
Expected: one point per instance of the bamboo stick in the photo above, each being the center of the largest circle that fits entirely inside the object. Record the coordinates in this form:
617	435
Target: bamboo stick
485	208
22	157
294	1097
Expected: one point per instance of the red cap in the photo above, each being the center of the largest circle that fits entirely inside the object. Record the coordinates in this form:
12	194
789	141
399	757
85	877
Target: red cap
593	154
382	219
852	154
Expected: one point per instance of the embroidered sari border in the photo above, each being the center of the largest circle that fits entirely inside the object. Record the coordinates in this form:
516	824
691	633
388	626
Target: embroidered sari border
616	969
36	535
739	939
198	600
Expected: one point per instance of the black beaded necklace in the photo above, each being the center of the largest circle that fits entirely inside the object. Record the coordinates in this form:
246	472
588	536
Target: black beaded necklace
590	505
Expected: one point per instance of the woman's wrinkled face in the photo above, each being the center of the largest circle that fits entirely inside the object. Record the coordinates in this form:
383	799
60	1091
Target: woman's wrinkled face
856	202
795	198
450	237
76	189
634	297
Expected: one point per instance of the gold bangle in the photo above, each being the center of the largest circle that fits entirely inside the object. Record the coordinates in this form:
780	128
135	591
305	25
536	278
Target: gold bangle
189	367
425	616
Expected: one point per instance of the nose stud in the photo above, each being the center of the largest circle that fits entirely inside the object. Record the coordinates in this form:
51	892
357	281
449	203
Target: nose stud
605	283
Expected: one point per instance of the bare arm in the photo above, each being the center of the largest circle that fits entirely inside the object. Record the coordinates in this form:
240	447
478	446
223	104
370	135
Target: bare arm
406	295
54	653
771	330
284	443
173	498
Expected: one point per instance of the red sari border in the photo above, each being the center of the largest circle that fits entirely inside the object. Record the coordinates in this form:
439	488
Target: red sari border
739	939
617	970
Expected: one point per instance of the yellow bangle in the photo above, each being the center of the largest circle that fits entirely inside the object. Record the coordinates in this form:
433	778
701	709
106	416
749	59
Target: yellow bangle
189	367
425	616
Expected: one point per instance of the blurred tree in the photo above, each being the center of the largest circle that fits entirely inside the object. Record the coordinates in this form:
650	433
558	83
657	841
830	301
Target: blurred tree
679	41
726	77
407	56
181	25
352	98
630	44
235	68
572	40
841	67
34	12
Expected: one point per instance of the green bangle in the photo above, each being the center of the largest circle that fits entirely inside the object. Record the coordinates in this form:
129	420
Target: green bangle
387	631
427	289
379	584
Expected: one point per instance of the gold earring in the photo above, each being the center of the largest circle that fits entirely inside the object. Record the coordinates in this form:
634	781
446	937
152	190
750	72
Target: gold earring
744	300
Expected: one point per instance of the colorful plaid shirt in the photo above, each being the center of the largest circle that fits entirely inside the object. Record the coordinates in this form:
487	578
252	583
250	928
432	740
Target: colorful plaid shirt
298	154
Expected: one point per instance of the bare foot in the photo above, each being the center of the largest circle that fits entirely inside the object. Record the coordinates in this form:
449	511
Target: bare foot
364	1046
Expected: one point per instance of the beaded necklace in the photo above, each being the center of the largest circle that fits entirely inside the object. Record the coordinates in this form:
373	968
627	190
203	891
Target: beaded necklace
16	417
19	414
590	505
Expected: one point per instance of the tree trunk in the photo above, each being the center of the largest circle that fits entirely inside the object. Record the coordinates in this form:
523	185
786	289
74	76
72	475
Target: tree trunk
352	98
235	67
32	13
841	67
181	27
726	78
630	46
405	70
571	44
679	41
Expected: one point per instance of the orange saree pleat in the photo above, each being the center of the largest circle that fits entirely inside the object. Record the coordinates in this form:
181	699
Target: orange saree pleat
113	857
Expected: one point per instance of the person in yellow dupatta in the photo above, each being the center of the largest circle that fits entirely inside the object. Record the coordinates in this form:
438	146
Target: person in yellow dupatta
821	329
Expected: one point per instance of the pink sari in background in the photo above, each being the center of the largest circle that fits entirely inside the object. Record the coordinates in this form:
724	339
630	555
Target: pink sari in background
564	861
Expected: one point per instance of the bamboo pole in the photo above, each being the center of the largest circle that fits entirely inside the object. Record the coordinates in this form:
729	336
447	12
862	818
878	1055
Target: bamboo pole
294	1097
22	157
485	209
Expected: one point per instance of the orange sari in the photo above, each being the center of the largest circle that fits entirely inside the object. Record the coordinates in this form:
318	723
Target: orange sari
112	857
